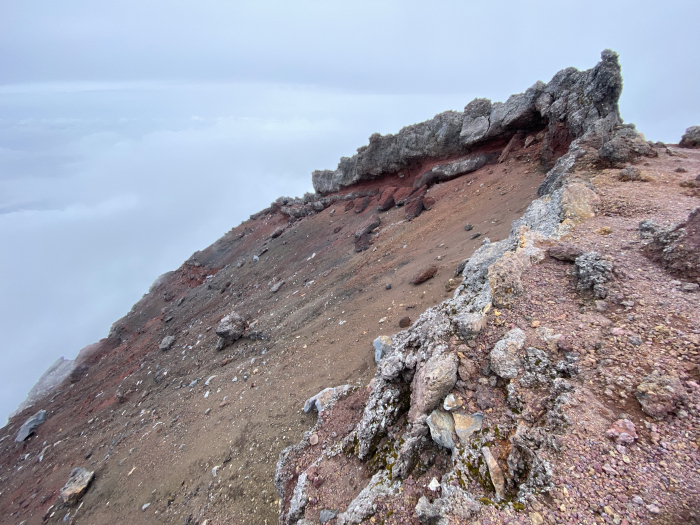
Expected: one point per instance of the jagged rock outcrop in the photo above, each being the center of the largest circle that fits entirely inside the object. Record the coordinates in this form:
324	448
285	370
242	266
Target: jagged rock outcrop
677	248
691	138
573	105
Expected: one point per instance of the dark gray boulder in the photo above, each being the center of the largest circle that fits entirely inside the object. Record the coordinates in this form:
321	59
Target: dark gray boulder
691	138
30	425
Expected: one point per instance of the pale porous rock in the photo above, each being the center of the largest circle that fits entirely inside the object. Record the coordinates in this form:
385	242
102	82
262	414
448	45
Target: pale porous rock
77	484
30	425
505	358
504	279
691	138
661	395
578	203
382	347
455	504
230	329
573	105
364	505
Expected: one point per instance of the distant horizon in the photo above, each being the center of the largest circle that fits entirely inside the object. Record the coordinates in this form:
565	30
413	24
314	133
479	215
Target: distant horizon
130	139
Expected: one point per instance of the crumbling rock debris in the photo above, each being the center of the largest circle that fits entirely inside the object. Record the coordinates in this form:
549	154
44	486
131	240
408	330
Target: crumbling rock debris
30	425
424	275
364	506
691	138
454	503
77	484
677	248
230	330
647	228
660	395
592	273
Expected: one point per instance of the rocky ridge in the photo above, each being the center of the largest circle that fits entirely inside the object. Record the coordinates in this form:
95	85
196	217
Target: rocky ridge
550	355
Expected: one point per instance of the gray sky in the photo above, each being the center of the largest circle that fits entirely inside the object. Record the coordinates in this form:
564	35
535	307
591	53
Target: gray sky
134	134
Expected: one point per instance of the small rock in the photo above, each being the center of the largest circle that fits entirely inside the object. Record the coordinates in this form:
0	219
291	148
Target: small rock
382	346
167	343
466	425
690	287
468	227
327	515
460	267
145	506
424	275
362	243
653	509
321	400
450	402
386	199
388	287
432	381
30	425
536	518
442	428
623	432
565	251
660	395
475	235
77	484
313	439
405	322
499	482
630	173
428	202
277	286
434	484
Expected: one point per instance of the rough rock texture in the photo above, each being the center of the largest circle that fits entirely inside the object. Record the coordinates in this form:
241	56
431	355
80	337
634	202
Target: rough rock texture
442	428
424	275
230	329
431	383
366	227
364	506
564	251
660	395
677	248
504	279
574	104
30	425
443	172
167	343
623	432
625	146
454	504
592	273
691	138
505	358
325	398
77	484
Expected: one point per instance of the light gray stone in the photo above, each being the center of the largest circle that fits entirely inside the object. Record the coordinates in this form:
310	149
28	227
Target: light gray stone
382	347
30	425
167	343
504	358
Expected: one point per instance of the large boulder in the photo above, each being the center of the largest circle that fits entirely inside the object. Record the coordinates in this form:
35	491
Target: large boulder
677	248
691	138
593	272
230	329
30	425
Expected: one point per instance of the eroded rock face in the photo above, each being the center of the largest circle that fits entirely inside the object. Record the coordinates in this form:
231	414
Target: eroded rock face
574	104
677	248
691	138
626	146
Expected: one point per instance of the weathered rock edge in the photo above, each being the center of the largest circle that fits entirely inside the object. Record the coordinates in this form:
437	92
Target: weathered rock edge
573	105
548	217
